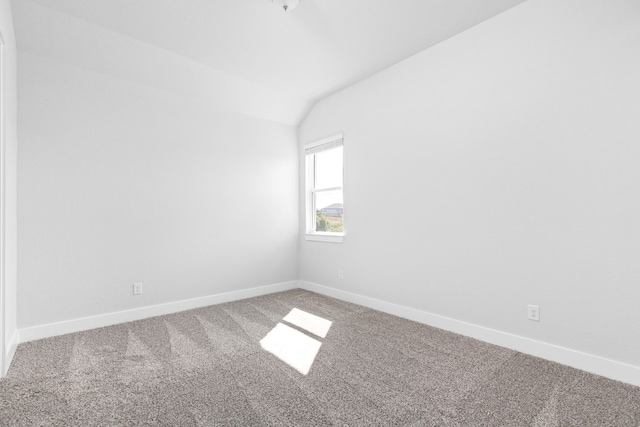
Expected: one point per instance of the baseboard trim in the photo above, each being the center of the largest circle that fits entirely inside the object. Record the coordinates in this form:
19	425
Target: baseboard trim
584	361
11	351
76	325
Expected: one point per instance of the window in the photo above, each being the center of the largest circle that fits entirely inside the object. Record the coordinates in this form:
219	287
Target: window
324	197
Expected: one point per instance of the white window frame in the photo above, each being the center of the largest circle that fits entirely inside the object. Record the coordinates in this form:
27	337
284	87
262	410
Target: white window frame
310	209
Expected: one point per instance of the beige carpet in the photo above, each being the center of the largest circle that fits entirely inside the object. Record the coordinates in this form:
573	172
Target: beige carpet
243	363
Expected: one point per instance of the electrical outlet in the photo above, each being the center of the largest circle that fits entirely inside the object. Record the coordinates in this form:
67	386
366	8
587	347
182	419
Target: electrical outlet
341	275
533	312
137	288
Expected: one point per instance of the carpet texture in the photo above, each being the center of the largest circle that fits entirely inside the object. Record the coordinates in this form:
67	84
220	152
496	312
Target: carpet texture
207	367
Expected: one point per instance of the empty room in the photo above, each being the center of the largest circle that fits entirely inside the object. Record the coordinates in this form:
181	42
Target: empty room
320	213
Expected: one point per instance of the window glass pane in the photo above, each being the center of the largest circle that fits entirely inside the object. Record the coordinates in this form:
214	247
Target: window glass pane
329	211
328	168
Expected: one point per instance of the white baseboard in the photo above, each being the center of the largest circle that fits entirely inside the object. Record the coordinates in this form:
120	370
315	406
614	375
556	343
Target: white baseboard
76	325
584	361
587	362
11	351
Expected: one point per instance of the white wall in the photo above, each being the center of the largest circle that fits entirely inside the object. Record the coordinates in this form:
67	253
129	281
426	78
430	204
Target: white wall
9	112
121	183
499	169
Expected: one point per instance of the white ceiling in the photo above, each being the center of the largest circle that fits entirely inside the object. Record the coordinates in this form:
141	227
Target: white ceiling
299	56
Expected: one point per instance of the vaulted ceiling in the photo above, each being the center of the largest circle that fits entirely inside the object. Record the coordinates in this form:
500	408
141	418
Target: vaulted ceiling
245	55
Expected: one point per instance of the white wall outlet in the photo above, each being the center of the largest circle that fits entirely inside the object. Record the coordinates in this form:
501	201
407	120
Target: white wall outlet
533	312
341	275
137	288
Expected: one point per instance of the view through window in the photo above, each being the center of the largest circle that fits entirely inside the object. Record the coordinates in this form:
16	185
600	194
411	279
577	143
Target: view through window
325	202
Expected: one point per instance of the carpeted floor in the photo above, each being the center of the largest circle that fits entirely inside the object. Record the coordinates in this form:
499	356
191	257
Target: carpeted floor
208	367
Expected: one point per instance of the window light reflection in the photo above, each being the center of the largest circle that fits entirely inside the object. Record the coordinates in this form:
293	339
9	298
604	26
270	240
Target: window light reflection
309	322
293	347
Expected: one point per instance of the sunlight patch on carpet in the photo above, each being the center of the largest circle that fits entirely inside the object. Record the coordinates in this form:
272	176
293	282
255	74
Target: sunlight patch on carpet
309	322
292	347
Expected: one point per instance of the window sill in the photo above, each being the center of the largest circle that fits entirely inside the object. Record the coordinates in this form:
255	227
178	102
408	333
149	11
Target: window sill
325	237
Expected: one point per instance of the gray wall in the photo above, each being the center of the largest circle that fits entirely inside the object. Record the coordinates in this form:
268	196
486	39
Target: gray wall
122	183
510	156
